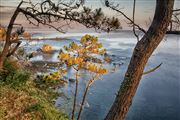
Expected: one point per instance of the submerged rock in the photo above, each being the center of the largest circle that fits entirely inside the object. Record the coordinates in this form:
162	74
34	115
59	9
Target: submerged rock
72	80
118	64
113	55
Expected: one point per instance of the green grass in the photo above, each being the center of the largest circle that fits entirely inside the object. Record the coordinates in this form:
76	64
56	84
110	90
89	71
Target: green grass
13	76
21	99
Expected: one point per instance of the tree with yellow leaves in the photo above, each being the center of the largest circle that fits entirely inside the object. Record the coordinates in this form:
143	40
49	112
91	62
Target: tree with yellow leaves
81	57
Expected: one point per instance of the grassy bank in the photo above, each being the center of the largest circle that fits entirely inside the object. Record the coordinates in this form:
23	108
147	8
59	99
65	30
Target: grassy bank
22	99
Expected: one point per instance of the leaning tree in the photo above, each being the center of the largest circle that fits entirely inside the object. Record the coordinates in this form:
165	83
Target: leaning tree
141	54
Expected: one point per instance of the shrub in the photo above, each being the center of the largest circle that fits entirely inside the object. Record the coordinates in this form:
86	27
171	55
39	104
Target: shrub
20	99
13	76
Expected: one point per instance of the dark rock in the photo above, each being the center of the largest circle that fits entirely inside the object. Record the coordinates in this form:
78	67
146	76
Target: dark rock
71	80
105	54
39	50
114	64
113	55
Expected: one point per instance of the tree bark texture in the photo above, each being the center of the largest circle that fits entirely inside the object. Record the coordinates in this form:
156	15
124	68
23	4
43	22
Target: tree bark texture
142	52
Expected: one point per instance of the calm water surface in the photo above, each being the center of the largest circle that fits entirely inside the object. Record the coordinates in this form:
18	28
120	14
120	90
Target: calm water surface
158	95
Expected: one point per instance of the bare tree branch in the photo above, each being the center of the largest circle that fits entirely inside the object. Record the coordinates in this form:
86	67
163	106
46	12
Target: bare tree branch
14	49
115	8
56	16
175	22
75	95
176	10
134	31
152	70
47	13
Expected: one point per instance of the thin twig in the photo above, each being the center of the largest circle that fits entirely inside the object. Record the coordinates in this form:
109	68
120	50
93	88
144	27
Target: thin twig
134	7
122	13
152	70
75	97
176	10
14	49
90	82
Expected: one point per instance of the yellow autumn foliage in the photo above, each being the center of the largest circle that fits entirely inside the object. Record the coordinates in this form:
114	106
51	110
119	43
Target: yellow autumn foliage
64	56
27	35
2	33
47	48
74	46
78	60
70	61
94	68
81	54
53	76
102	71
74	60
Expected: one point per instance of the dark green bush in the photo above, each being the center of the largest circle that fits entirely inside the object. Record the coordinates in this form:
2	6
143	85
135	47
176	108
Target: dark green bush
13	76
34	107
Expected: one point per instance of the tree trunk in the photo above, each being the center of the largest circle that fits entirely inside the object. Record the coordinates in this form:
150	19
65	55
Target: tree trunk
141	54
5	51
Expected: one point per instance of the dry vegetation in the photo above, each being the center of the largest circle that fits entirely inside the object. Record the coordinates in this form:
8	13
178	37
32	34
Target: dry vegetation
22	99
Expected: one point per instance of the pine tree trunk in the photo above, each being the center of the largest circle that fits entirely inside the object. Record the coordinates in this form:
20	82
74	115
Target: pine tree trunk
141	54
